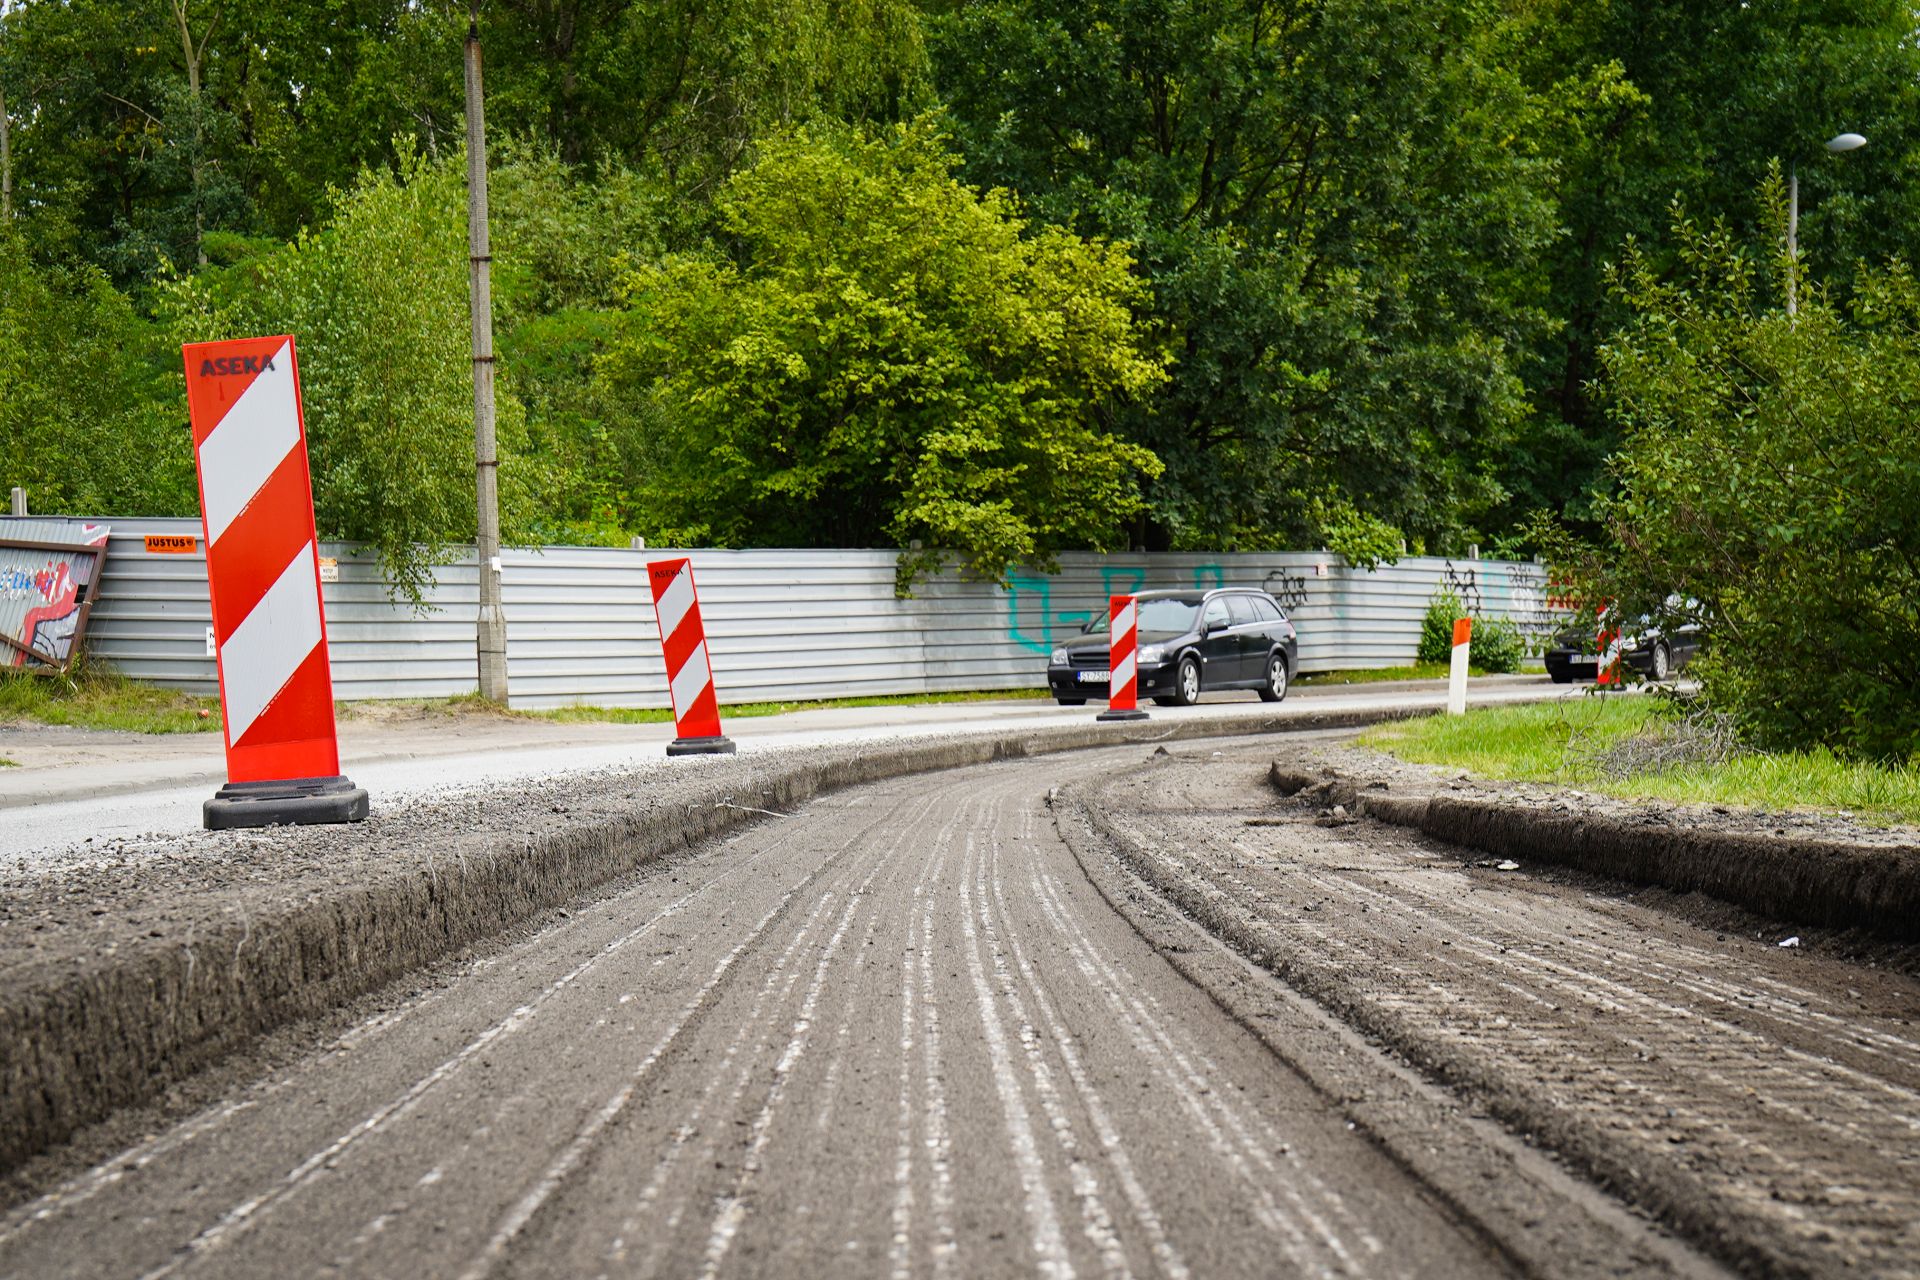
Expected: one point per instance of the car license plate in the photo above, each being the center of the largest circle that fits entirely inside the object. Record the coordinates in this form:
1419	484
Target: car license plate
1093	677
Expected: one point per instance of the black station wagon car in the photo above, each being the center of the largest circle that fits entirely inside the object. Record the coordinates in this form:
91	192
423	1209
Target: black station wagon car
1645	650
1189	641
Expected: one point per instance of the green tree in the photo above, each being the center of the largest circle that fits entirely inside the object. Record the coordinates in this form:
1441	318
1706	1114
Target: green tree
90	423
876	354
1656	99
691	83
1338	207
377	301
142	124
1771	471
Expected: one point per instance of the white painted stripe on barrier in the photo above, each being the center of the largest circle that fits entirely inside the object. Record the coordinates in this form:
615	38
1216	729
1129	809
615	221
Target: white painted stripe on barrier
265	650
242	453
690	679
1125	622
1122	672
675	601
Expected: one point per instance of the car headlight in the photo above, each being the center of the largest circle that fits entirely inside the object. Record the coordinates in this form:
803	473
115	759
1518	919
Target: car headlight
1152	653
1059	657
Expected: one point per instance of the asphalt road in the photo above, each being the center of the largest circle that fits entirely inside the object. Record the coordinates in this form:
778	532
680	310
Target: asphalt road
95	786
896	1034
930	1027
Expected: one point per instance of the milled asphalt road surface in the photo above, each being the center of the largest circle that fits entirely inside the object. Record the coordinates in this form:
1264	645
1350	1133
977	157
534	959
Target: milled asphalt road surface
1765	1097
899	1033
979	1024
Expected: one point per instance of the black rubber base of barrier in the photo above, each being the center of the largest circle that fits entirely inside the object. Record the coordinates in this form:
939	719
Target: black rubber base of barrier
717	746
1111	714
298	802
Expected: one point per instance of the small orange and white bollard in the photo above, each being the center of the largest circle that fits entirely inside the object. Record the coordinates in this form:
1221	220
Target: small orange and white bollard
1123	668
683	638
1457	677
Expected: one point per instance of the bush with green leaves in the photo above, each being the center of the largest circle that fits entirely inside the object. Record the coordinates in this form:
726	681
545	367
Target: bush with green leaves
377	302
91	422
1498	646
874	354
1436	628
1772	473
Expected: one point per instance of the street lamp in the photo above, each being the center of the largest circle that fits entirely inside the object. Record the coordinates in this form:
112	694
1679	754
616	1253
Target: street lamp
1839	142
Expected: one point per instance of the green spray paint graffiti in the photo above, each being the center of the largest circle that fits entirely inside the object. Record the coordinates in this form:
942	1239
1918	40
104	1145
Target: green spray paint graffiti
1122	582
1034	624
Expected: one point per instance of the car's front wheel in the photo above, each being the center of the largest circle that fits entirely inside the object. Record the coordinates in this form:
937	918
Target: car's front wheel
1186	682
1071	702
1662	664
1275	689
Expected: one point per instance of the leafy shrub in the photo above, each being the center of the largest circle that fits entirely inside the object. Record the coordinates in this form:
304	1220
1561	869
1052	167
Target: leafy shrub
1436	629
1772	473
1497	645
876	354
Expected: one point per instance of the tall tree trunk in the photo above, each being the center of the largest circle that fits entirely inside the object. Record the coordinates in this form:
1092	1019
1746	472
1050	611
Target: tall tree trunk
6	138
193	58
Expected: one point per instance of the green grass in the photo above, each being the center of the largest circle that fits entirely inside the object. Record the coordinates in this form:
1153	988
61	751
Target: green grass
95	699
1560	742
1374	675
8	764
742	710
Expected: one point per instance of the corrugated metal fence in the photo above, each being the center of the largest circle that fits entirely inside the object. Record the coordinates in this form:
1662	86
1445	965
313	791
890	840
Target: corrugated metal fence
780	624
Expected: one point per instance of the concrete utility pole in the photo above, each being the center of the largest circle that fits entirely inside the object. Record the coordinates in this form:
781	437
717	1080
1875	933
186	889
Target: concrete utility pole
491	630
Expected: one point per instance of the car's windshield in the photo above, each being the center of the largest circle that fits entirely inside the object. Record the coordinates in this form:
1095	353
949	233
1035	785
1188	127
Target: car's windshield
1157	618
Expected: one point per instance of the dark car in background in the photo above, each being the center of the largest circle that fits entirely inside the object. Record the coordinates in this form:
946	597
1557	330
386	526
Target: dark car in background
1646	650
1189	642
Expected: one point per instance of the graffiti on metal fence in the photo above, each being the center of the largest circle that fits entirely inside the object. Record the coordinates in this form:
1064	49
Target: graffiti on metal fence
1030	611
1464	583
1034	624
1288	587
1121	581
47	568
1529	603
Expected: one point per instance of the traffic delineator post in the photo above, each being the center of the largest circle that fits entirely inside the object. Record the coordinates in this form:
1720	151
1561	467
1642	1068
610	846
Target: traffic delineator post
269	629
1457	675
1123	668
683	638
1608	645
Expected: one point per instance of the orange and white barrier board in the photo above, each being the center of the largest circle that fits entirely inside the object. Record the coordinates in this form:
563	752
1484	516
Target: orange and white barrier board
270	636
683	637
1457	675
1123	668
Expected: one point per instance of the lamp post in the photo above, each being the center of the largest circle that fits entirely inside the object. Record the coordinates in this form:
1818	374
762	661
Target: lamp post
1837	143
